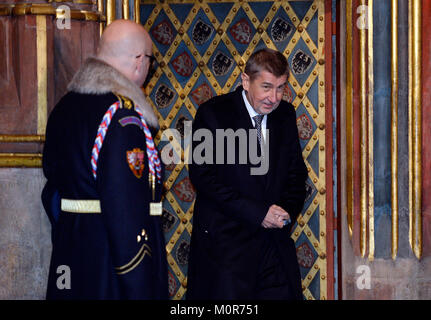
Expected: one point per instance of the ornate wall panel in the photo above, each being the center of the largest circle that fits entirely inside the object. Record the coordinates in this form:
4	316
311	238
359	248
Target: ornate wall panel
201	49
426	128
34	72
384	128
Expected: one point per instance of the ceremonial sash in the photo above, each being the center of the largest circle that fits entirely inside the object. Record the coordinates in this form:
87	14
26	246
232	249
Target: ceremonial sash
153	158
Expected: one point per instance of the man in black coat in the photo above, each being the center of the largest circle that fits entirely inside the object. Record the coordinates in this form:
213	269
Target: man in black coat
241	246
99	158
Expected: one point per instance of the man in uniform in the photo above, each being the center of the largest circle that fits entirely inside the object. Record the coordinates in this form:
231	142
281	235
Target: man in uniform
99	156
241	246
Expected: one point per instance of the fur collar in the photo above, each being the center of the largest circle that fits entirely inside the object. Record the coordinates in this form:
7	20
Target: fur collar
98	77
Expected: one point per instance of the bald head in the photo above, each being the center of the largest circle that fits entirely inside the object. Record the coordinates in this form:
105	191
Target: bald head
126	46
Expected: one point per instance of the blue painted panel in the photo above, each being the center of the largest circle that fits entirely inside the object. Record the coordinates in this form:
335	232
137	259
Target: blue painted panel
382	125
222	53
303	54
164	85
201	19
403	144
241	31
145	11
201	86
221	10
281	22
162	31
313	29
300	8
260	9
181	11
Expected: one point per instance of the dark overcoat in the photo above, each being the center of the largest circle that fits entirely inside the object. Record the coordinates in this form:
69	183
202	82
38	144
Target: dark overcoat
118	253
228	240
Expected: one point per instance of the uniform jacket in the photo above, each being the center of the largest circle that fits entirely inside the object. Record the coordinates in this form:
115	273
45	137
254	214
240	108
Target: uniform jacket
120	252
227	238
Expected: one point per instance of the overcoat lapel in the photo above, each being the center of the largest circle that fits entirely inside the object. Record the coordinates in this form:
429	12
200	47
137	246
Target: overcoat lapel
243	118
274	141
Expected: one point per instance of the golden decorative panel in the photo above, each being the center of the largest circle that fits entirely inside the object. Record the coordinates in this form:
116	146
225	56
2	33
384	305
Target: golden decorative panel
201	48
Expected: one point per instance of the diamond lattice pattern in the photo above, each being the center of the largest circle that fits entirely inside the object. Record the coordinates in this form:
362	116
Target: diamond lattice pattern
201	48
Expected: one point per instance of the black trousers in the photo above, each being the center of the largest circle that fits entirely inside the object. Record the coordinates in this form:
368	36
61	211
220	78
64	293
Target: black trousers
273	282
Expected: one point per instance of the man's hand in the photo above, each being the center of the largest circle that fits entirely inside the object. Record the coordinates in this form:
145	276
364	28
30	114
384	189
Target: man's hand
275	217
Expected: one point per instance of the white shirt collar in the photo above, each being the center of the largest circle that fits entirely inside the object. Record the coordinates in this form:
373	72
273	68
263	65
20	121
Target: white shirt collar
250	109
252	113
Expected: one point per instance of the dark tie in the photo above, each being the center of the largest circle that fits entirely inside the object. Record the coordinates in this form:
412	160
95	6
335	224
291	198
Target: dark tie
258	125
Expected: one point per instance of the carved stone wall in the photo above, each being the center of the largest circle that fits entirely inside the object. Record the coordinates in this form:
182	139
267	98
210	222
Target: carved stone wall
25	241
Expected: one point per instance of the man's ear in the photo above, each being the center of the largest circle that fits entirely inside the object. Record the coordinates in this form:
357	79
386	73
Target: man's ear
245	81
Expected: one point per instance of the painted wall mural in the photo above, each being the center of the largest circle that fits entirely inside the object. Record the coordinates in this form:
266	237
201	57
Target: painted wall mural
201	49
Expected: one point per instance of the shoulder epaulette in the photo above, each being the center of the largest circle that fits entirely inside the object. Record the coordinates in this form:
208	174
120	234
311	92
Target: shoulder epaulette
125	102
